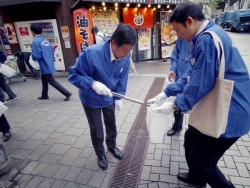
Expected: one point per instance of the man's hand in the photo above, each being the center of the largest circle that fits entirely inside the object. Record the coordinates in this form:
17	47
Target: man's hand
158	99
171	76
166	108
118	105
101	89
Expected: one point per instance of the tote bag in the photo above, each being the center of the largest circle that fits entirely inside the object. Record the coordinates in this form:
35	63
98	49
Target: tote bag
34	64
210	114
3	108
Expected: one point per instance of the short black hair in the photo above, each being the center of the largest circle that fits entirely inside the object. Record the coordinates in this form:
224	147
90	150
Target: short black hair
94	30
37	29
184	10
124	34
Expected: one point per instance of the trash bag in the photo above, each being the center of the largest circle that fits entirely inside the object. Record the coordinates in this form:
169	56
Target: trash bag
157	124
6	70
3	108
34	64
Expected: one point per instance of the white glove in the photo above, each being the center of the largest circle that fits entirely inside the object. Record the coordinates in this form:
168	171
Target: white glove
118	105
166	108
158	99
101	89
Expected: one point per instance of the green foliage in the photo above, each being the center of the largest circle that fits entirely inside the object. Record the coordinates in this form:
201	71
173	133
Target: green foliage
212	4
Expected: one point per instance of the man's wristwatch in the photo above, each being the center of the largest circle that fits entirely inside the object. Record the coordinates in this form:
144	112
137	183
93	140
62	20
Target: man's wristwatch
175	107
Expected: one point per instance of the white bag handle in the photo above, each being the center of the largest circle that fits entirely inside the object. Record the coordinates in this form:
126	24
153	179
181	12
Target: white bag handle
220	51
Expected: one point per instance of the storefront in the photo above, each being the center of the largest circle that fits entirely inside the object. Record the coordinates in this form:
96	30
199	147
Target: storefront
68	25
55	17
143	15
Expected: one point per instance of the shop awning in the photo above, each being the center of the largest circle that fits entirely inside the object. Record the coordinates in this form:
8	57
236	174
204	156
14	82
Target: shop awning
18	2
140	1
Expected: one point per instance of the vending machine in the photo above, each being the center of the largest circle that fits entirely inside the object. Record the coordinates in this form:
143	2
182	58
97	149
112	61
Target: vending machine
50	31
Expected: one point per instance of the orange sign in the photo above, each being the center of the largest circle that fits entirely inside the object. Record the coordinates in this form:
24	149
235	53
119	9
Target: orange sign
82	26
138	17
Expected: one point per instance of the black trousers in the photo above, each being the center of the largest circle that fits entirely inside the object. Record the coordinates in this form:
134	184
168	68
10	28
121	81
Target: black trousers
96	129
4	125
202	153
49	79
178	120
5	87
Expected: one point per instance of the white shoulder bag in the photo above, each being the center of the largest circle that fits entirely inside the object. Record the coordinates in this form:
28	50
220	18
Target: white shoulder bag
210	114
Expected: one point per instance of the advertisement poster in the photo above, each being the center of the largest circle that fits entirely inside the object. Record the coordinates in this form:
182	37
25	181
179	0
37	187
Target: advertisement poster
143	39
82	26
48	31
10	33
66	36
65	32
4	43
168	35
24	31
106	22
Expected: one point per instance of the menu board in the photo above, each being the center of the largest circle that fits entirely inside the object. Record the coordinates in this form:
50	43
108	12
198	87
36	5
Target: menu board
106	22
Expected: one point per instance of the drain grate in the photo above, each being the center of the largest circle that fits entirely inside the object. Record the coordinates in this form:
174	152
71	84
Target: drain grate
128	170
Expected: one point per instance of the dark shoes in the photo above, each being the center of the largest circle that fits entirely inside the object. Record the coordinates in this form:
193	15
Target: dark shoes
6	136
184	177
43	98
102	162
117	153
172	132
68	96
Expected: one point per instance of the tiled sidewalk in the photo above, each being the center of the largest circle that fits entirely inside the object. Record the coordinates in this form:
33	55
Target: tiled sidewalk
53	137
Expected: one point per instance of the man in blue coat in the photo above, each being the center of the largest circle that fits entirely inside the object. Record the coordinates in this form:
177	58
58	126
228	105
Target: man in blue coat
202	152
43	52
98	70
180	63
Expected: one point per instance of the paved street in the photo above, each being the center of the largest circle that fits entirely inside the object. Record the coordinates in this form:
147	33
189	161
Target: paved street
52	137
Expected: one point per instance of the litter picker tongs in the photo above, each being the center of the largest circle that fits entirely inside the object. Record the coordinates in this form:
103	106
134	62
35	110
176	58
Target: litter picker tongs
130	99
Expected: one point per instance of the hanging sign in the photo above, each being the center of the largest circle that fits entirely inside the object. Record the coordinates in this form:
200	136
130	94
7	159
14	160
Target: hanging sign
138	17
82	26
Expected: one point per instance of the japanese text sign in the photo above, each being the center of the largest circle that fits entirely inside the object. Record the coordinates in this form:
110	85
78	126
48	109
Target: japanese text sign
82	26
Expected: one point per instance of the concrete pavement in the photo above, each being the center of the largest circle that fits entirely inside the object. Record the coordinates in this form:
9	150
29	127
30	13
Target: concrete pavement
51	137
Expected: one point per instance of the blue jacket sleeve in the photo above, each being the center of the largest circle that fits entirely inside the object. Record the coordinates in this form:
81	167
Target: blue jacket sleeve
174	58
36	51
2	57
202	76
80	71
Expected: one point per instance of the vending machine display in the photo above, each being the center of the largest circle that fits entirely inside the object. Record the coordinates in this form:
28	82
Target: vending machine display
50	31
